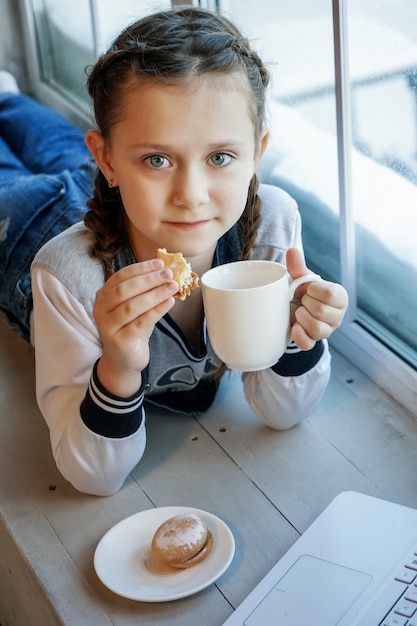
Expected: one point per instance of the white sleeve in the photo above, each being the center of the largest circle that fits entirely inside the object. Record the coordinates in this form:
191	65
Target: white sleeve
283	401
67	347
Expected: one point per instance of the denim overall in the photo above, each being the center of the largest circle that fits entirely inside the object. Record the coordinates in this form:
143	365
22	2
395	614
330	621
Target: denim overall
46	175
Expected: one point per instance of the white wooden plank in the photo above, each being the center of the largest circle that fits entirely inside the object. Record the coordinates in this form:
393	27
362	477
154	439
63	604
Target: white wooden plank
367	426
298	470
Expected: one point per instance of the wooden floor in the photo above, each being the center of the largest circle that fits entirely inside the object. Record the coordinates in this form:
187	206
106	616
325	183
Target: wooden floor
267	486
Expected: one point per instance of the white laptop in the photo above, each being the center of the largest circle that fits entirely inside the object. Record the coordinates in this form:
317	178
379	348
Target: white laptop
356	565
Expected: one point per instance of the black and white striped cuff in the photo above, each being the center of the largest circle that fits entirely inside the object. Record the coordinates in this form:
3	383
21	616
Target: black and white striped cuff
109	415
295	362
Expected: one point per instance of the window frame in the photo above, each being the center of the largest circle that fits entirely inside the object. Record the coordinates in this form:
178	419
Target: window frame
358	345
39	88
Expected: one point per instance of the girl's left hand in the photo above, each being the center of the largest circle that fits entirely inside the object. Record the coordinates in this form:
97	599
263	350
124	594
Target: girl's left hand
318	307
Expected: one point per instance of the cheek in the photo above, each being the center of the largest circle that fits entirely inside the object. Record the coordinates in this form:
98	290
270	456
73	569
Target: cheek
127	198
137	194
234	202
236	191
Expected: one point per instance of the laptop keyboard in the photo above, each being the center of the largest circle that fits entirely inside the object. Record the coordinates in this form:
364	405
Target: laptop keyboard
404	611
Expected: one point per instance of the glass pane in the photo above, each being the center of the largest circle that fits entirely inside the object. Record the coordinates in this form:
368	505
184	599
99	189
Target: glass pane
114	15
66	37
296	39
65	44
383	71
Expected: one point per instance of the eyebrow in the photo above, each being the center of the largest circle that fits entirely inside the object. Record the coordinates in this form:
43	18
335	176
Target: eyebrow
164	147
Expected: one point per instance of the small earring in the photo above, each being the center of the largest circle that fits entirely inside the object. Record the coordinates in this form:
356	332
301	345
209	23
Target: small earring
110	184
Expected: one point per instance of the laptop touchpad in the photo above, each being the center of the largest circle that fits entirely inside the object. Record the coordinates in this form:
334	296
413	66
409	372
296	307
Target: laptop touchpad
312	591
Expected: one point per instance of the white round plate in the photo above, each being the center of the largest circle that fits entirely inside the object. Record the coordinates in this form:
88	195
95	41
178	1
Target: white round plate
119	559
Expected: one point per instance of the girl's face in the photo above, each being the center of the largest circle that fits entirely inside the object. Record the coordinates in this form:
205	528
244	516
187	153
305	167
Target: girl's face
183	157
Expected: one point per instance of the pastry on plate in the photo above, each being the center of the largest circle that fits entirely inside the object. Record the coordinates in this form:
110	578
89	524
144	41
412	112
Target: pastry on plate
182	541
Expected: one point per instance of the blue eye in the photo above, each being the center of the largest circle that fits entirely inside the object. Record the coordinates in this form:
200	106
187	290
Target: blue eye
157	161
221	158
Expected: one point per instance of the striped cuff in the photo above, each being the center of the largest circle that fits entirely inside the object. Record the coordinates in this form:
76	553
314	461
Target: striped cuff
109	415
295	362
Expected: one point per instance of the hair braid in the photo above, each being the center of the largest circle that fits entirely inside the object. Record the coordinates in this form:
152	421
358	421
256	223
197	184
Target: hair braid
251	219
105	218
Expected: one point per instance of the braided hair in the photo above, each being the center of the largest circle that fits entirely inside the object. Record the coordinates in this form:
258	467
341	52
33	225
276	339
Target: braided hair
169	47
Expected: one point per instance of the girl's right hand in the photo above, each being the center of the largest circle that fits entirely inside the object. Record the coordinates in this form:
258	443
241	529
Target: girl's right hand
126	310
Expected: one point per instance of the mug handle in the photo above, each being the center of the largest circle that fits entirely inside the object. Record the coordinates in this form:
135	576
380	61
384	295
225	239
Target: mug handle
307	278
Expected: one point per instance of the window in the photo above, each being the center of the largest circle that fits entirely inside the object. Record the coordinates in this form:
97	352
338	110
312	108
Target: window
64	38
383	61
345	146
63	56
343	118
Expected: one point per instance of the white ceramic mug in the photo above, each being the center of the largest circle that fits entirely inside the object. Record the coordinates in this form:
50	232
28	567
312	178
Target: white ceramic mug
247	309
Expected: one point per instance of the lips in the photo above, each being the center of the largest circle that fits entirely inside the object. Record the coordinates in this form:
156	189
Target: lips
189	225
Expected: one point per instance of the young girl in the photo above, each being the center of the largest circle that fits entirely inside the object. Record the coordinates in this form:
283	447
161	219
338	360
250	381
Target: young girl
179	102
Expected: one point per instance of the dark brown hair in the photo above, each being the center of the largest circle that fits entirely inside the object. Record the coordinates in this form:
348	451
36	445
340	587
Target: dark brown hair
169	46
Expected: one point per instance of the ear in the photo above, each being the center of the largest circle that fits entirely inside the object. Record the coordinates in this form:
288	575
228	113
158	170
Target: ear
262	145
97	145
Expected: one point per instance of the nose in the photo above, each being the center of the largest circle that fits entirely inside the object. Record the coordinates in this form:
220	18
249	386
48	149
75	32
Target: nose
190	188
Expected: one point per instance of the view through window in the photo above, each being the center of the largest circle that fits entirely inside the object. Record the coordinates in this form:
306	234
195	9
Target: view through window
297	38
70	35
